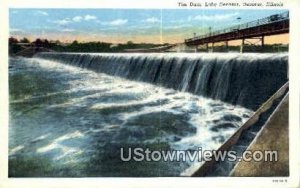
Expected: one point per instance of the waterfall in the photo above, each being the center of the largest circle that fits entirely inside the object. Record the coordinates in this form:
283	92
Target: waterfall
240	79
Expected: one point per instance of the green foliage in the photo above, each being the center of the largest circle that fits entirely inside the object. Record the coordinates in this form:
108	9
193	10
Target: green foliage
12	40
76	46
25	40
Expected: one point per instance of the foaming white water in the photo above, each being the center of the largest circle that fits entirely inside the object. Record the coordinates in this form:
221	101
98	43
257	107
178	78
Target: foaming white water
98	106
199	108
65	151
232	78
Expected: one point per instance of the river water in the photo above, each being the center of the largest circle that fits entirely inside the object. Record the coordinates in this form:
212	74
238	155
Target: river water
67	121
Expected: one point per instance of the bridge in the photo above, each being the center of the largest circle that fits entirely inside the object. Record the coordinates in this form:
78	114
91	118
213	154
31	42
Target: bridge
258	29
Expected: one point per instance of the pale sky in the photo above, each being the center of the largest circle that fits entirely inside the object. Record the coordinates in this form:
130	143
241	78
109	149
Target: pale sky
122	25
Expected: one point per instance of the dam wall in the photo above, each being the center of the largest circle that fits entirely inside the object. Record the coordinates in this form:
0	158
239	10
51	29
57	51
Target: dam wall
247	80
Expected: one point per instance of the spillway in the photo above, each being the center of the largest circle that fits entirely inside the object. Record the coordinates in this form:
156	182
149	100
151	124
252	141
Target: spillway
240	79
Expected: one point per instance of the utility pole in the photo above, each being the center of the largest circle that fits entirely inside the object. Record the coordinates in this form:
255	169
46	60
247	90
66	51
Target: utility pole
239	21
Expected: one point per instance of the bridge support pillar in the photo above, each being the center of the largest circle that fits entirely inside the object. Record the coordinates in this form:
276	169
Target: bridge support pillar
242	46
212	47
206	47
262	43
226	46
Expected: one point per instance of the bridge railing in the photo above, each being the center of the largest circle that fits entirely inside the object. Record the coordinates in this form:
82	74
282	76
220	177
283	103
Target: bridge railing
259	22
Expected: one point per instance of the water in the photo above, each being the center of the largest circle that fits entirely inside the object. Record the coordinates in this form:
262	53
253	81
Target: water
69	121
247	80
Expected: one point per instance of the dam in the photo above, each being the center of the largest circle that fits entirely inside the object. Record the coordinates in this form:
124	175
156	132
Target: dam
246	80
81	108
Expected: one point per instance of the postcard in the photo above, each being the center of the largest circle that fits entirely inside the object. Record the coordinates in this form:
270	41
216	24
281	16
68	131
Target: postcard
150	94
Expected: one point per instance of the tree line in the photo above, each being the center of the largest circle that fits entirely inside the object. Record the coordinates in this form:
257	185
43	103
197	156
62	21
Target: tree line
76	46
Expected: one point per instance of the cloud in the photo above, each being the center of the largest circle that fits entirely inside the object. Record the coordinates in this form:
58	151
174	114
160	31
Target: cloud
77	19
90	17
14	30
215	17
42	13
67	30
65	21
152	20
178	26
118	22
86	18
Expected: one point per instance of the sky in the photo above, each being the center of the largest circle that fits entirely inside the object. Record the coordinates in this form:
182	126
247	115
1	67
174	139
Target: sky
122	25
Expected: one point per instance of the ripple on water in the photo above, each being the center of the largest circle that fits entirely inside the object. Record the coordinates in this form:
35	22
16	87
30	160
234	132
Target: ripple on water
77	126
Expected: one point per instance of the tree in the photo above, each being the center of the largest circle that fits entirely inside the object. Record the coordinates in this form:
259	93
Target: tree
57	42
129	43
46	43
75	42
38	42
12	40
25	40
13	45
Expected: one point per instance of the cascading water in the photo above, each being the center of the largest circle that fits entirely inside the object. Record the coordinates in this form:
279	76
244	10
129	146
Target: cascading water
240	79
70	121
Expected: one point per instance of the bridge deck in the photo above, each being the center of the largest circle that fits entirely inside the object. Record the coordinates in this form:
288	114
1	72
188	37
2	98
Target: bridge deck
272	25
